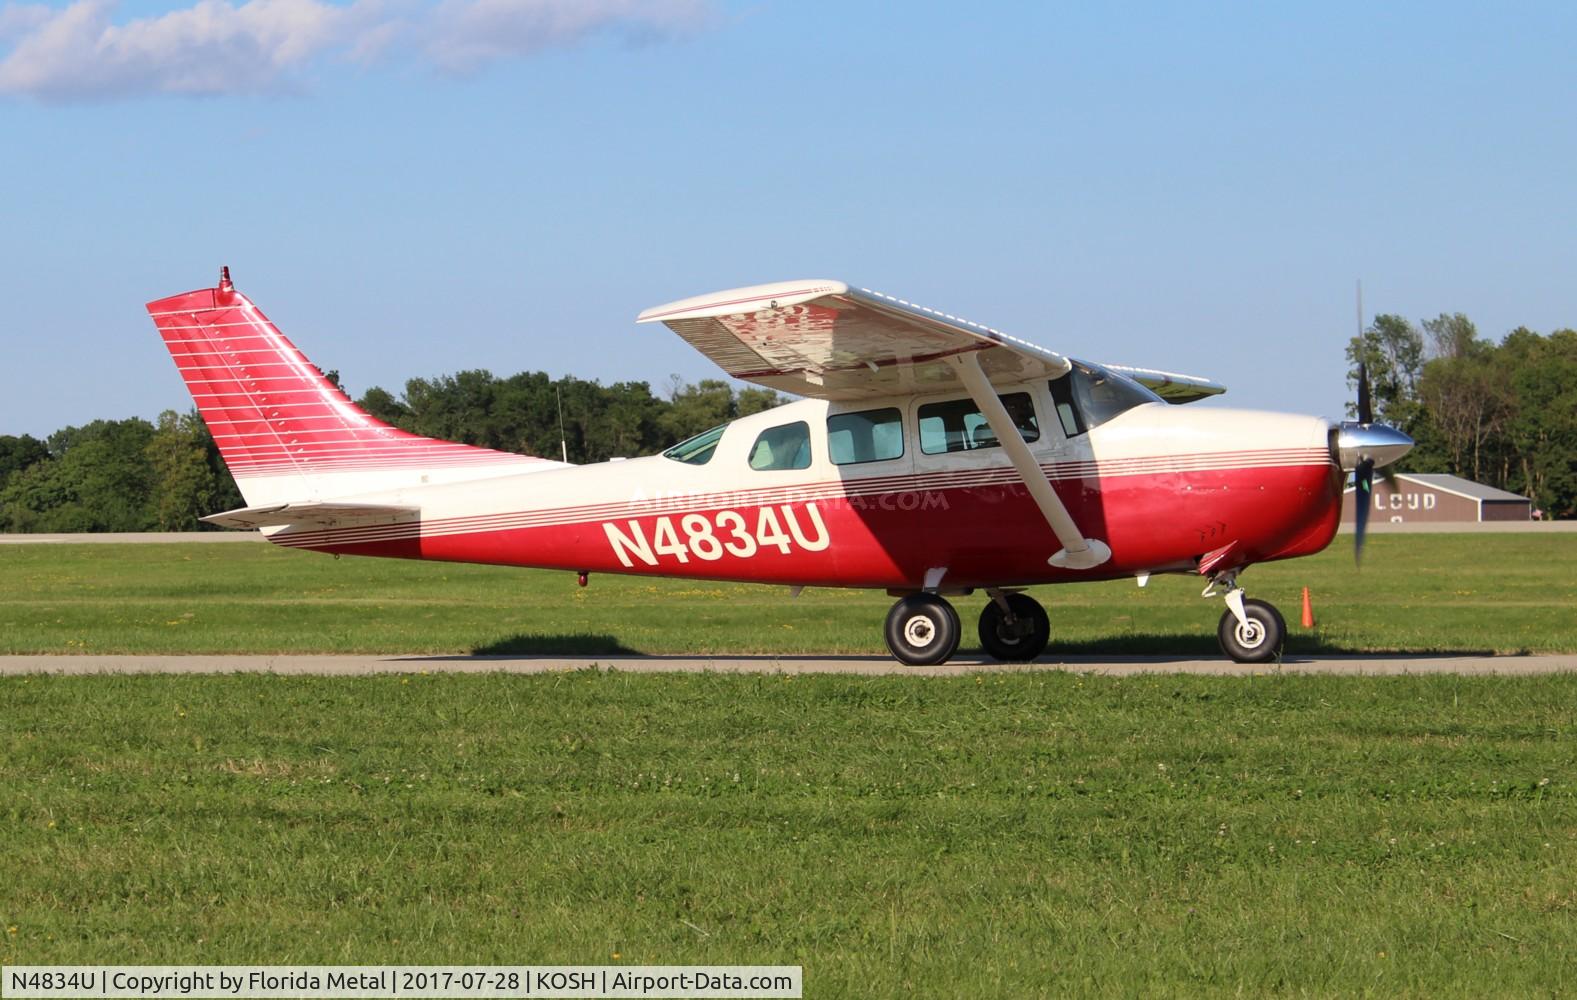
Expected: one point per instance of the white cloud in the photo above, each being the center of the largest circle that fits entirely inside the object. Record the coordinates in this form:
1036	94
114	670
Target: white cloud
18	19
78	52
471	33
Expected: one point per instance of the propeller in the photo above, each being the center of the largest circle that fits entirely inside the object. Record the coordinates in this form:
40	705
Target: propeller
1363	496
1363	475
1361	443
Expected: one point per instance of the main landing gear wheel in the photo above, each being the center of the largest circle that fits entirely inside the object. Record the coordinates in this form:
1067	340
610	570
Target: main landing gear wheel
922	630
1019	640
1257	640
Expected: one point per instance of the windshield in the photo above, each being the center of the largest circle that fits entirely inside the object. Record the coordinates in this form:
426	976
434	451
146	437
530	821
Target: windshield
697	450
1090	395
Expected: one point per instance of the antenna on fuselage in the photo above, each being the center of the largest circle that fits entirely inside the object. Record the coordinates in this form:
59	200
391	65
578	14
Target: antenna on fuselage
563	441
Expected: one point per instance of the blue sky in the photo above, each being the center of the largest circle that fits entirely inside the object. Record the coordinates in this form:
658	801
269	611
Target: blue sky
413	188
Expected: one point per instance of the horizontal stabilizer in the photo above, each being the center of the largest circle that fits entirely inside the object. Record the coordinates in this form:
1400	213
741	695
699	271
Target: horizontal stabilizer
317	514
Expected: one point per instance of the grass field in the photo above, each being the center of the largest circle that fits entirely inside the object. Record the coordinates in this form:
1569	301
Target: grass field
1501	593
1001	835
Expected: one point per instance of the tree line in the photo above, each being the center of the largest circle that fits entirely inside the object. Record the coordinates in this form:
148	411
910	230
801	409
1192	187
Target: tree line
1498	413
1504	414
136	475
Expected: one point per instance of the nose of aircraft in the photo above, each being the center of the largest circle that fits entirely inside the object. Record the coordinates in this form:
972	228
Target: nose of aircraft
1377	443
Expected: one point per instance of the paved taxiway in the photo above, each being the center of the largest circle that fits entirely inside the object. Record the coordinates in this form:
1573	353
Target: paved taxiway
867	665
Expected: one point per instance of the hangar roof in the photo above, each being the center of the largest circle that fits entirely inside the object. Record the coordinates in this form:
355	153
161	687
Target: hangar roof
1456	484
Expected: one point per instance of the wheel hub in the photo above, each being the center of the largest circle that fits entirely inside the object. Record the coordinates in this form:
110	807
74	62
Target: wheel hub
1012	633
919	631
1250	633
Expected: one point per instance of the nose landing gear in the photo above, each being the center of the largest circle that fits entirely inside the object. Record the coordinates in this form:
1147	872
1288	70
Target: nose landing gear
1251	630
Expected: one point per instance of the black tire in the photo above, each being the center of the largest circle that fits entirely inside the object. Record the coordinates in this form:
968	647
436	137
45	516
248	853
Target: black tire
958	629
1261	640
922	630
1021	641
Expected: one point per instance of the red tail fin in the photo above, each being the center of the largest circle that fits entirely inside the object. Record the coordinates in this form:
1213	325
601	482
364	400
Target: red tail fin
272	412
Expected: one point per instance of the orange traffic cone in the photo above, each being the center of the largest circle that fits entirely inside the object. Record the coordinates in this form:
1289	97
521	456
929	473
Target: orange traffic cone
1308	610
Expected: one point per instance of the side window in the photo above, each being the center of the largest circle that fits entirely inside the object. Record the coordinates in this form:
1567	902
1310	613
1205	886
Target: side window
957	425
784	447
697	450
867	436
1067	410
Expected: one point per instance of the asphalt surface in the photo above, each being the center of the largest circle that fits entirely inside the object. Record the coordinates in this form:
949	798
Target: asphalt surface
865	665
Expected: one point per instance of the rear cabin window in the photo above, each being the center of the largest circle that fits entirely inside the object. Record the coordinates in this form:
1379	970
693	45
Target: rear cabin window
958	425
867	436
697	450
1088	396
780	448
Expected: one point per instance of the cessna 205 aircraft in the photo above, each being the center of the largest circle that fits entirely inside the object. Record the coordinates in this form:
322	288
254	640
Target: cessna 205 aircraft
931	457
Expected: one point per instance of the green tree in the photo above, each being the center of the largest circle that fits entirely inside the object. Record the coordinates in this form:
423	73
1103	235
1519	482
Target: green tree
97	478
1466	392
1541	434
695	408
17	453
753	400
1392	349
184	487
383	405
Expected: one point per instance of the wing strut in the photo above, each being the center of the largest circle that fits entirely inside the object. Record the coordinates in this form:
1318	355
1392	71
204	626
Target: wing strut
1077	551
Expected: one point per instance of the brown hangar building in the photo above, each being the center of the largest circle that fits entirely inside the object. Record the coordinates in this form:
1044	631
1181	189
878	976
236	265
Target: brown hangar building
1437	497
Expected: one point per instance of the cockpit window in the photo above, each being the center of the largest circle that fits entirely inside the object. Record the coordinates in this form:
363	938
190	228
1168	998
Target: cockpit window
786	446
1090	395
697	450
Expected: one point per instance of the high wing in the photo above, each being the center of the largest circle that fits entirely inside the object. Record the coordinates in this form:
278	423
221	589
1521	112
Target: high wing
311	514
826	340
1170	386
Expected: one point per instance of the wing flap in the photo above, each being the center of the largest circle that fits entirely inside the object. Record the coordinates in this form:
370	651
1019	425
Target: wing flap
311	514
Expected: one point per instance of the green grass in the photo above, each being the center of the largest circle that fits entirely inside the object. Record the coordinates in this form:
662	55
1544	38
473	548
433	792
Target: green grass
1503	593
990	835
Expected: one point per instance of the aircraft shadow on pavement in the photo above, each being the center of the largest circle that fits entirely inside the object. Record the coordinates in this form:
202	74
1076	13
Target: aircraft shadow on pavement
1168	646
568	644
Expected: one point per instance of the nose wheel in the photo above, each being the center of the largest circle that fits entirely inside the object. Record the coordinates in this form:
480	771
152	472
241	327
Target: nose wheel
1251	630
1258	637
1014	627
922	630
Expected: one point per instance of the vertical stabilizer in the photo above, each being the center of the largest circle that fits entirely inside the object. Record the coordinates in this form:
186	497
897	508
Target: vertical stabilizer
284	429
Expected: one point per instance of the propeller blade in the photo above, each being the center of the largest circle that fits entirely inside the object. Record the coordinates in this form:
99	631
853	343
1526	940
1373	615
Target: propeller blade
1365	405
1363	496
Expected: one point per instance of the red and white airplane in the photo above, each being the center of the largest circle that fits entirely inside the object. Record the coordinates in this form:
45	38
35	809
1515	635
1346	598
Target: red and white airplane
931	457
